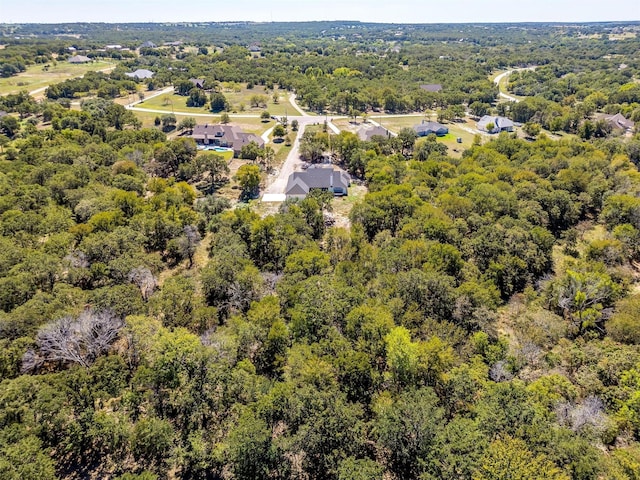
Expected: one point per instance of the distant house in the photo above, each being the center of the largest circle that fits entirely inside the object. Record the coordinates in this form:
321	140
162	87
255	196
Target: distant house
427	128
500	124
620	122
197	82
366	134
140	74
79	59
254	48
172	44
324	177
431	87
115	46
227	136
148	44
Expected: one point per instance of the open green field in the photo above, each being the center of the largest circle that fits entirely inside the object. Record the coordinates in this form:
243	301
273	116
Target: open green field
248	124
35	77
243	97
178	103
171	102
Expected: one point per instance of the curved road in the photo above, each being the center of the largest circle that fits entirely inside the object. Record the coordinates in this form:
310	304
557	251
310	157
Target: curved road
499	78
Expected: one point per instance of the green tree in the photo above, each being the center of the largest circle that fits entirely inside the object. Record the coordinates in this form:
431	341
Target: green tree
248	177
582	295
26	458
168	122
408	428
407	137
279	131
151	441
509	458
188	123
250	451
218	102
531	129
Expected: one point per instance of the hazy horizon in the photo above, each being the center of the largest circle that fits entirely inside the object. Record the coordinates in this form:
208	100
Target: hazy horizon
367	11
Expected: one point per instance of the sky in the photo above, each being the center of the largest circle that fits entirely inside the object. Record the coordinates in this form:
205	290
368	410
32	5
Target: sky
382	11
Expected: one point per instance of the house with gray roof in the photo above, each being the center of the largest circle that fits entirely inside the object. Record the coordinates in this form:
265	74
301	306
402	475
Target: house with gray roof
366	133
197	82
620	122
499	124
227	136
323	177
79	59
427	128
140	74
148	44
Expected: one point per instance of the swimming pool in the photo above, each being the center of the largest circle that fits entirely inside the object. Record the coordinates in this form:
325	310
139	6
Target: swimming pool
217	149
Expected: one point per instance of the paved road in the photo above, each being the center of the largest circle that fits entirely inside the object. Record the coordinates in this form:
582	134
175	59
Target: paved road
292	163
499	78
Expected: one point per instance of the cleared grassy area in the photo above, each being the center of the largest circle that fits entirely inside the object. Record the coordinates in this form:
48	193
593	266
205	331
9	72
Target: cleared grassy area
36	77
243	97
231	190
170	102
178	103
251	125
342	206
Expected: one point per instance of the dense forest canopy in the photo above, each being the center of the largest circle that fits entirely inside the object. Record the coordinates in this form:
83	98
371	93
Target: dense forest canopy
475	317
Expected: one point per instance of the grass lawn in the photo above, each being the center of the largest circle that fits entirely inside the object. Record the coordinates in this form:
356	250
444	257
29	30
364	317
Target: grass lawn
456	130
35	77
251	125
282	150
228	156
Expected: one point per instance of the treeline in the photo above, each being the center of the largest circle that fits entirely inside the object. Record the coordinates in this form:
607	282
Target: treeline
15	58
102	84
